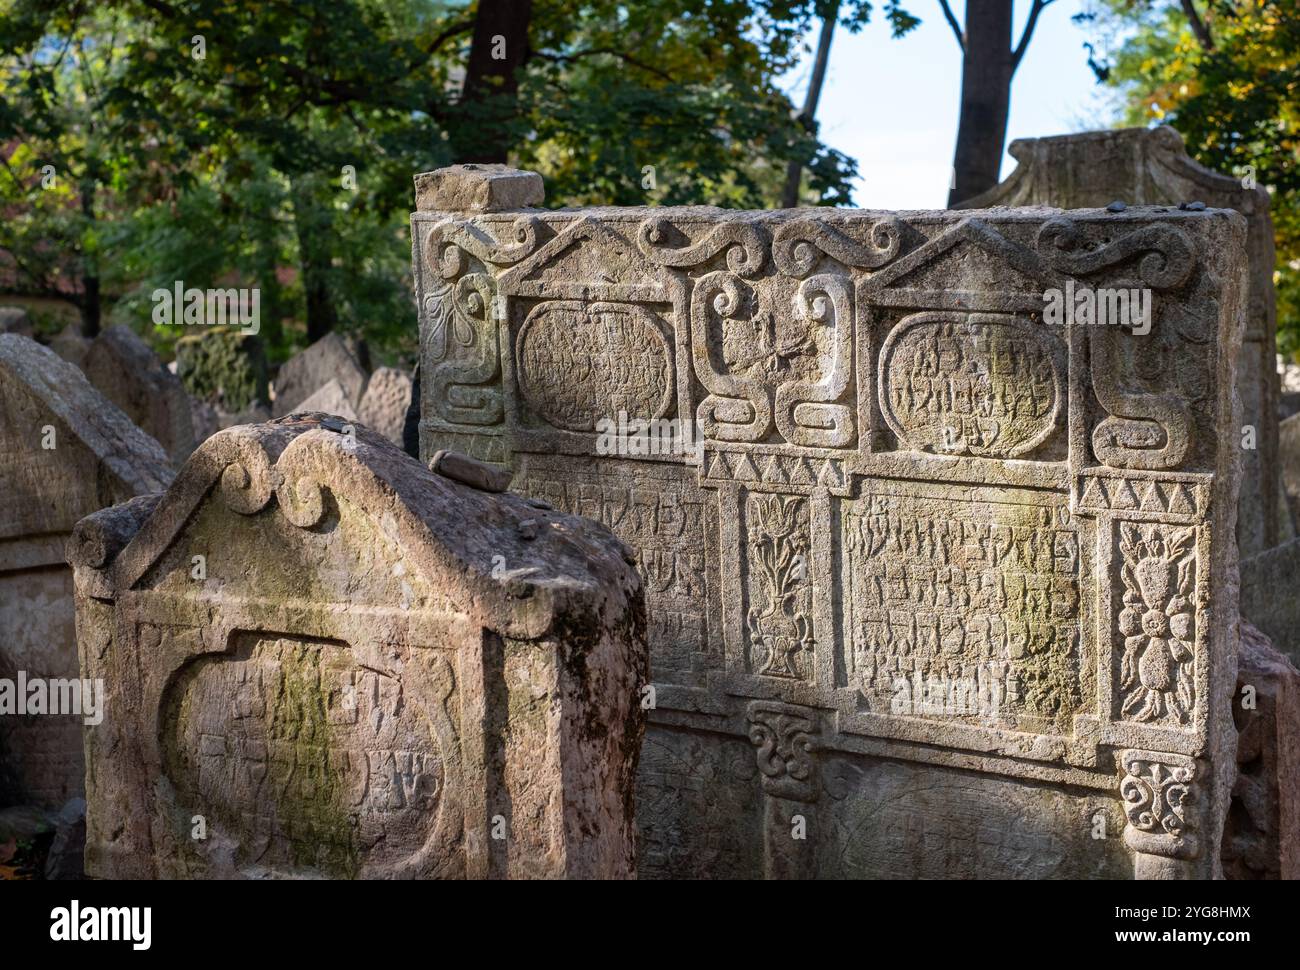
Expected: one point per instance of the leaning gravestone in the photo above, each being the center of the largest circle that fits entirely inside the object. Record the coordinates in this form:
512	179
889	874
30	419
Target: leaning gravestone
65	452
935	588
337	662
127	372
304	374
1150	166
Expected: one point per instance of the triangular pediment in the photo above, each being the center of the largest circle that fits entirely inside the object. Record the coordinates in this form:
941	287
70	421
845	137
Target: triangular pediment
587	260
954	270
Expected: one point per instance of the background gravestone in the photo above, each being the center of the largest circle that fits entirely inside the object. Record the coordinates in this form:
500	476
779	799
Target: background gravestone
123	368
877	466
1150	166
309	371
353	666
65	451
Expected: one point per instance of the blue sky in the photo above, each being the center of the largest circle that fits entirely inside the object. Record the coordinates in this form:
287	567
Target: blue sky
892	104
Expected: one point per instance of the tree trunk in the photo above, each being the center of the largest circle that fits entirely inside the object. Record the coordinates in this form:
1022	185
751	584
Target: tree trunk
498	51
311	224
985	98
90	295
794	171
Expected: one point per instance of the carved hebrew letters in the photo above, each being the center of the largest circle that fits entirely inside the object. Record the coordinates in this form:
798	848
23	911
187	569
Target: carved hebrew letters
925	525
972	384
578	364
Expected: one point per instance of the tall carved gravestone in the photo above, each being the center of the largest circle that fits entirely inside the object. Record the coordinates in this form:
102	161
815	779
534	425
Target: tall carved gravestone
65	451
1150	166
874	485
324	659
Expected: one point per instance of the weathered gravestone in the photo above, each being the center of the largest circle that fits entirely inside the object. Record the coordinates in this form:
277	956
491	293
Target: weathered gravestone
333	661
127	372
1150	166
65	452
935	588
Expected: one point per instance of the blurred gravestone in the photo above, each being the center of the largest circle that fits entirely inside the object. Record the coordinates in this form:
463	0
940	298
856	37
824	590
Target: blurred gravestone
15	319
328	359
65	451
128	373
225	368
384	405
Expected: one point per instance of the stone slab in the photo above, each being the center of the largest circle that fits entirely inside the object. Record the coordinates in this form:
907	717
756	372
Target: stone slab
65	452
899	534
351	666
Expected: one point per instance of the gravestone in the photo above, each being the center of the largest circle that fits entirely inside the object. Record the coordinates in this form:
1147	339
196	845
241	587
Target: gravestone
935	587
127	372
384	405
307	372
1150	166
1262	837
324	659
65	451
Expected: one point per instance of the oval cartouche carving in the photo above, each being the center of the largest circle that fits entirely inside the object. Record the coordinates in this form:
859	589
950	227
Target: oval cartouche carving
971	384
579	363
303	760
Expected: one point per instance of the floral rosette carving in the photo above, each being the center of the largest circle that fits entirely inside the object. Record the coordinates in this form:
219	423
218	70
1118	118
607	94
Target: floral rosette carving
1157	621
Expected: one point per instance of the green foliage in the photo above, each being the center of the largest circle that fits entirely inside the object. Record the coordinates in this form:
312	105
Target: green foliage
271	143
1237	105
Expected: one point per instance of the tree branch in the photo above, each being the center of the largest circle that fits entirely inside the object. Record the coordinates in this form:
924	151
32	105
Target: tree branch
1199	27
560	58
1019	52
952	22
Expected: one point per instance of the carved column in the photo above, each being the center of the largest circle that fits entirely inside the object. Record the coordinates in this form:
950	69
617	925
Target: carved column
1158	793
786	738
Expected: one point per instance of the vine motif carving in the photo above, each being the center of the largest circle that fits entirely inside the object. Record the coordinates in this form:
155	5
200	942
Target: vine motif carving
780	629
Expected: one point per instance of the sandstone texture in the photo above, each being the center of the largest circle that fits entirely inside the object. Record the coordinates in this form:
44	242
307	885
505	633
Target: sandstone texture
935	588
343	664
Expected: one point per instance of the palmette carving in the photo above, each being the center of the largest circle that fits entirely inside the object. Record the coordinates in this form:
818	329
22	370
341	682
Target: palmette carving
1159	801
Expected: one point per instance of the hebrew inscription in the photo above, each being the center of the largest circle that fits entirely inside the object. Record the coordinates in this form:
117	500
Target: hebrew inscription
313	756
927	523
